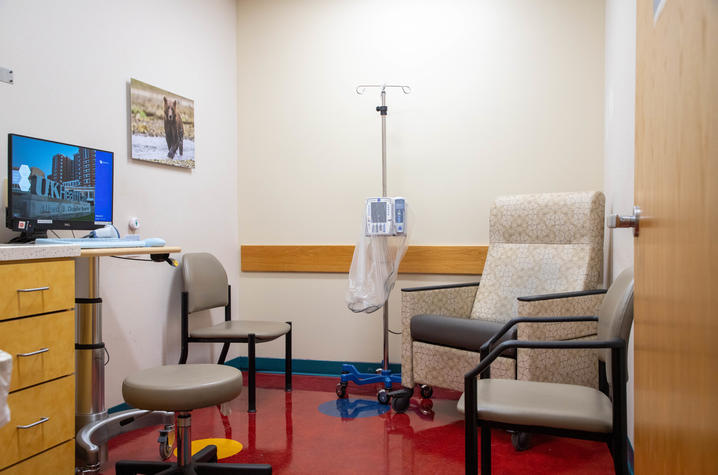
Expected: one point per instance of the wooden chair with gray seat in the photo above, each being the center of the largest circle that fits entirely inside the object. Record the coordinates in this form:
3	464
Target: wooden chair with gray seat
182	388
554	408
206	287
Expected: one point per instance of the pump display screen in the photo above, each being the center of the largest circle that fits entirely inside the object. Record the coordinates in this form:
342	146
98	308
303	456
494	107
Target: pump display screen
378	212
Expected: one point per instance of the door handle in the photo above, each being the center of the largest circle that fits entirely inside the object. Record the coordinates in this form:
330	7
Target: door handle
618	221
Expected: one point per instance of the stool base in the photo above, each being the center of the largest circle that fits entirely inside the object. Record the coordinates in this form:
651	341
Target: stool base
203	463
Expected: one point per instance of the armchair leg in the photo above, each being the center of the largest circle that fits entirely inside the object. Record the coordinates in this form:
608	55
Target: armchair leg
288	359
223	355
252	374
485	450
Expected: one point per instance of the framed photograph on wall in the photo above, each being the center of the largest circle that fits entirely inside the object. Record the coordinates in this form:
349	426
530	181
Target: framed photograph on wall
162	126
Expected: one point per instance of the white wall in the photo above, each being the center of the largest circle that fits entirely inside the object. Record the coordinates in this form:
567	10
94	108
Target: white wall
72	62
619	144
507	98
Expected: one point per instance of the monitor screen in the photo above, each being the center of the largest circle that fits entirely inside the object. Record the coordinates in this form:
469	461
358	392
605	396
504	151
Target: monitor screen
53	185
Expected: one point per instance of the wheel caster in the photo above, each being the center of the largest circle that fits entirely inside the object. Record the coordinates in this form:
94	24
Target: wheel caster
341	390
520	440
400	404
426	407
426	391
166	441
383	396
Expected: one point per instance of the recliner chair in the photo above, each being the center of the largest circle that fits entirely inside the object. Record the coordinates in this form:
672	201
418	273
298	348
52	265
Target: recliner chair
538	244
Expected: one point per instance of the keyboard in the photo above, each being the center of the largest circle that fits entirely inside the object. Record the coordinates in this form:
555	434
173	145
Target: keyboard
99	243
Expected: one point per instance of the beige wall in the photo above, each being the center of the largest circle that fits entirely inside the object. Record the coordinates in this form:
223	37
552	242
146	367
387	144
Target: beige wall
507	98
72	62
619	144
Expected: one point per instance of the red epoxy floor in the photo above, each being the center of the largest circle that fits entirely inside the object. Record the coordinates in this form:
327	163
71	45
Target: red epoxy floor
290	433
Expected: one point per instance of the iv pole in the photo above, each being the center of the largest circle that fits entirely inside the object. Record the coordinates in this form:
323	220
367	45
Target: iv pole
383	375
383	109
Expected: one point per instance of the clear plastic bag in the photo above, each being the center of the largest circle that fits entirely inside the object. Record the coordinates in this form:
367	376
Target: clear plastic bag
374	269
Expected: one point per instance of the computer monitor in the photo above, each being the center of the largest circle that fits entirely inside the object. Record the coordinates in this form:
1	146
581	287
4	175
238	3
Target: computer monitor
54	185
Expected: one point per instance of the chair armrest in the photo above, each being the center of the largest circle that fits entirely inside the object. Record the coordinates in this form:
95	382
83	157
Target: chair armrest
545	345
562	295
450	300
515	321
440	287
586	302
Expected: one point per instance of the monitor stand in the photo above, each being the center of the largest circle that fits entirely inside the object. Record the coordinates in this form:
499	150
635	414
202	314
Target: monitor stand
26	237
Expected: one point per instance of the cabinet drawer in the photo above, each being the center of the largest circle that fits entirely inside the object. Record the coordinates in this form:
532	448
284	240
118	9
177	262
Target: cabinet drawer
54	400
29	288
58	460
52	335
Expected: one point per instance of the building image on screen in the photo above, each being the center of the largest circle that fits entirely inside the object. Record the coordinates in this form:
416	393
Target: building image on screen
51	182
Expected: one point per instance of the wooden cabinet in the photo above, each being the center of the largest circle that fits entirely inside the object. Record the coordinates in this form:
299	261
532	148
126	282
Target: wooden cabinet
37	329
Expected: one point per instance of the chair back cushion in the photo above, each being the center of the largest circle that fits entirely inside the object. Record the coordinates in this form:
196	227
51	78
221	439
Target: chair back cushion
539	244
616	312
205	281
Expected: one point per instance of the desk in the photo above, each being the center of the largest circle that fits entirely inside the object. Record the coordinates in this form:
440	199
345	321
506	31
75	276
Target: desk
92	424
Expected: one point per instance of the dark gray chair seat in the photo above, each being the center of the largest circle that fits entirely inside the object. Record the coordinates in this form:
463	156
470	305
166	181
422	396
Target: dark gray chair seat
464	333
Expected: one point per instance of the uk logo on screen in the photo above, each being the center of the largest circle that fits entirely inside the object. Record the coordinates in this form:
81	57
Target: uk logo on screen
24	182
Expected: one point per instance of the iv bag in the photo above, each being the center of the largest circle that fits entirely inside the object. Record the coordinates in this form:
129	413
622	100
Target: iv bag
374	268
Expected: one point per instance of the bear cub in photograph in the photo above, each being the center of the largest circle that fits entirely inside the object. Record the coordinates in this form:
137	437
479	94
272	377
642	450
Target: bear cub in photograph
174	131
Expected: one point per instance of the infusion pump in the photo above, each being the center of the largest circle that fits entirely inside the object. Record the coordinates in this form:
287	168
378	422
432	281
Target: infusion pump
385	216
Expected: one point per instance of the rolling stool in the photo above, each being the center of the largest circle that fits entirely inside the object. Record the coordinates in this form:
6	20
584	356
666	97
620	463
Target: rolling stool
181	388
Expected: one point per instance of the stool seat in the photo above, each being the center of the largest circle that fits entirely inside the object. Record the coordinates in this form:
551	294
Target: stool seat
182	387
264	331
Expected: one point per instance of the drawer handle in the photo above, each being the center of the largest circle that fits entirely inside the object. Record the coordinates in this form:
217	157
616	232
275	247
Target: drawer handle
36	423
36	289
42	350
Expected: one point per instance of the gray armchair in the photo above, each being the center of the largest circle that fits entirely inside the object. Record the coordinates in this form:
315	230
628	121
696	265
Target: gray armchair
538	244
554	408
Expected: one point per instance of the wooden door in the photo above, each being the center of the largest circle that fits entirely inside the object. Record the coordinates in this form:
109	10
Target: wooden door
676	254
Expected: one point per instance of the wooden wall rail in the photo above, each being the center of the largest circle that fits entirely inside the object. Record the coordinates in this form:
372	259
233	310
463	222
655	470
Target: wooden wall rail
418	259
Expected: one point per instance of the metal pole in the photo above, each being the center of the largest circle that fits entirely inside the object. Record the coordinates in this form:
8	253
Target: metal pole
385	363
383	143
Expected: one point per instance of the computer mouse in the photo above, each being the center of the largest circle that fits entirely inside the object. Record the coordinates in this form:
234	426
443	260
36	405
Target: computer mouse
154	242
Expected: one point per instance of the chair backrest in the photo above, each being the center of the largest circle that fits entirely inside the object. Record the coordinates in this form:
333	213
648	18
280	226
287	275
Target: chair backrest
539	244
616	314
205	281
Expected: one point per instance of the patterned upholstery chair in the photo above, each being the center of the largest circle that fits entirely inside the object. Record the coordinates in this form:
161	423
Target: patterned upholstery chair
546	249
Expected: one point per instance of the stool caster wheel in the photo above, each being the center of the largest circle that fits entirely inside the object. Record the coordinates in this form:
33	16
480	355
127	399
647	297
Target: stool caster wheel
166	441
341	390
383	396
426	391
520	440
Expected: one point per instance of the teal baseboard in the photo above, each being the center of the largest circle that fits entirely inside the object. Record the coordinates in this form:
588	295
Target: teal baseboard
630	457
120	407
310	367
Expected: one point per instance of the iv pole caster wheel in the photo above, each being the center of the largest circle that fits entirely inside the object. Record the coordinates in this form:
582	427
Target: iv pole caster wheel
383	396
400	404
341	390
426	391
520	441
